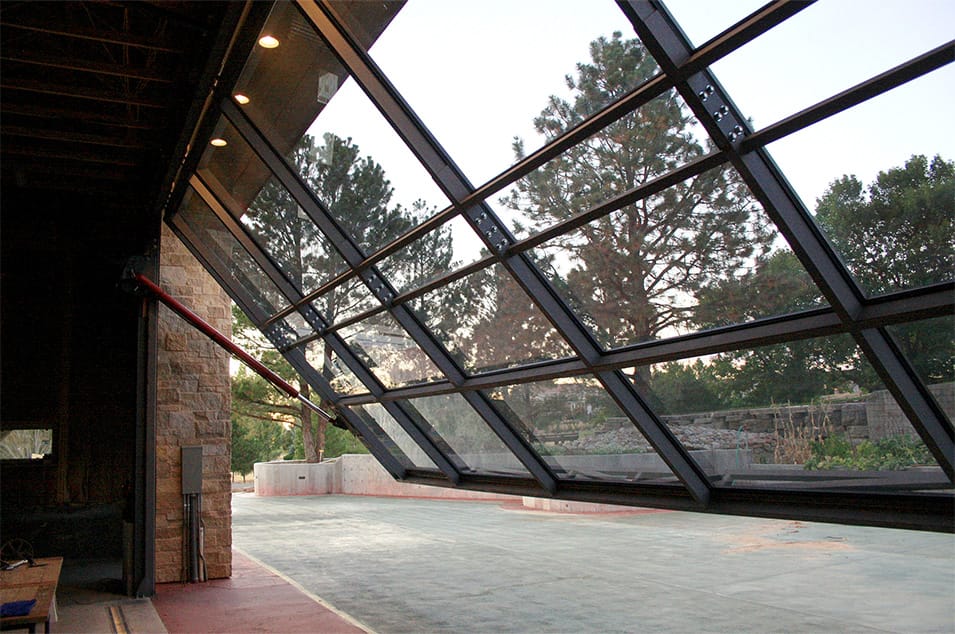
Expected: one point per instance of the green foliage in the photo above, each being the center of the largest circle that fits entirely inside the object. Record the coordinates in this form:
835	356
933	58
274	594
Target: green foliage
684	388
895	234
888	454
256	441
898	232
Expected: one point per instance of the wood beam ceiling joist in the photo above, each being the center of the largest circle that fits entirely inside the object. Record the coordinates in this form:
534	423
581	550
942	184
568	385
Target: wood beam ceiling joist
87	66
78	92
95	35
97	117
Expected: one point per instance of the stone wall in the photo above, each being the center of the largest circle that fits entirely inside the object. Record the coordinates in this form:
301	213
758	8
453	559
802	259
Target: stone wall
872	417
193	407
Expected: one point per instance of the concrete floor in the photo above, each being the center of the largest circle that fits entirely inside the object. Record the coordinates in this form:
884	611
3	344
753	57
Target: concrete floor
405	565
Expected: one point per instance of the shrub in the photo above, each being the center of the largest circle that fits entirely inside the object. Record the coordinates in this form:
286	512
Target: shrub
888	454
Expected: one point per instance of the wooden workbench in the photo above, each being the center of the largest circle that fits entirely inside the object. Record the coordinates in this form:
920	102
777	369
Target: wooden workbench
25	583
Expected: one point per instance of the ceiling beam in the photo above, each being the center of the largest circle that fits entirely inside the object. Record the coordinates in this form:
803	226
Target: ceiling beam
97	117
87	66
71	136
95	35
79	92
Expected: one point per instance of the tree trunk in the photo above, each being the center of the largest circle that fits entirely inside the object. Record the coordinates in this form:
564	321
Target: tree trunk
308	434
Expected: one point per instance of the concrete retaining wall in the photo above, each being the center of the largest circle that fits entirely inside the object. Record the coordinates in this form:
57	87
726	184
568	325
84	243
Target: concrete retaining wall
351	474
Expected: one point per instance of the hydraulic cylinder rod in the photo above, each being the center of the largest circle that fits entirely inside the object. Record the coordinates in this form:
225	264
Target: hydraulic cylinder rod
208	330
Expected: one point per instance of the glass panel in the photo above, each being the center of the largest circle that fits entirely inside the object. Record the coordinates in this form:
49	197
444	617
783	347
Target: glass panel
908	215
345	300
26	444
501	96
273	219
216	240
395	437
805	414
929	346
321	357
578	429
699	255
858	141
701	25
498	327
827	48
302	99
388	351
451	422
645	144
290	329
448	248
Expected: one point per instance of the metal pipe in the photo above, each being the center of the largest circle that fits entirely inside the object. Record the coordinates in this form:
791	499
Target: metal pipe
224	342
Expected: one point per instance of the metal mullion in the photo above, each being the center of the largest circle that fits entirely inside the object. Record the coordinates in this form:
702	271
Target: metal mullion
371	440
537	467
370	381
349	250
293	184
298	361
424	441
912	396
638	97
482	219
746	30
214	266
311	296
657	434
703	93
445	279
210	194
318	215
717	48
922	303
642	191
383	95
912	69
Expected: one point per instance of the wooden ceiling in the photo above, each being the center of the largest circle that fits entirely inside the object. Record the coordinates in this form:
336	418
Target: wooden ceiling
94	95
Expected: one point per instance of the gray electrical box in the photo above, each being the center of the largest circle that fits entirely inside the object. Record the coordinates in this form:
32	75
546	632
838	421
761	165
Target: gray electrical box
191	469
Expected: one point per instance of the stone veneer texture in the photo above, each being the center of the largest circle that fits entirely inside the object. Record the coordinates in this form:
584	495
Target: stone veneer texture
193	408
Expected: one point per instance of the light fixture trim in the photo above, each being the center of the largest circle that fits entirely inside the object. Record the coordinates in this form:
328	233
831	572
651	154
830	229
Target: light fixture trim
218	142
268	41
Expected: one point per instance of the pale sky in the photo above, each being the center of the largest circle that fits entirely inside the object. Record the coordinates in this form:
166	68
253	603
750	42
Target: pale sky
477	73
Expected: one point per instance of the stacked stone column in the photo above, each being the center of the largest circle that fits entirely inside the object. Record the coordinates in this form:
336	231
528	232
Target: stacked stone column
193	408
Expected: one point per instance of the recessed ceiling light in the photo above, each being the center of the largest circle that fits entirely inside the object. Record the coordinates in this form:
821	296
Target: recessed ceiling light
242	99
267	41
218	142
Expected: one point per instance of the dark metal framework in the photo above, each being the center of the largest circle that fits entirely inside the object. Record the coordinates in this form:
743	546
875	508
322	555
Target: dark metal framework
922	501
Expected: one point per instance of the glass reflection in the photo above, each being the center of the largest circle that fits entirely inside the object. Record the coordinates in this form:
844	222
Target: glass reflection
699	255
394	436
805	413
447	248
345	300
218	241
449	420
389	352
273	219
578	429
327	363
501	326
304	102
